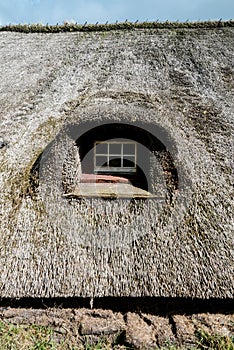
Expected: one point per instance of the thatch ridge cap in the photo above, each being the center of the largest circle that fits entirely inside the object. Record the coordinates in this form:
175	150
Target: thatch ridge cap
76	27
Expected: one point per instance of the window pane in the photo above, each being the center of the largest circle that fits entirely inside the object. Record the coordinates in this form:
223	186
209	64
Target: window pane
129	162
101	161
129	148
101	148
115	148
114	162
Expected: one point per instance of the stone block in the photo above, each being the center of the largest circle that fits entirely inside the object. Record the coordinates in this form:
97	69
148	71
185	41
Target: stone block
139	334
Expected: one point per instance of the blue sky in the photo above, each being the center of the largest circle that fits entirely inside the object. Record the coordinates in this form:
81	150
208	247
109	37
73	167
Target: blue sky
92	11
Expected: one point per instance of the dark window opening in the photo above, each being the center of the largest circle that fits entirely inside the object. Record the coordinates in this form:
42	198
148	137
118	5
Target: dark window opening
129	152
118	150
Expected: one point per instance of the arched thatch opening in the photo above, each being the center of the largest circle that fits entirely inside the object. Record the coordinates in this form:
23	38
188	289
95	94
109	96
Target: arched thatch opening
122	150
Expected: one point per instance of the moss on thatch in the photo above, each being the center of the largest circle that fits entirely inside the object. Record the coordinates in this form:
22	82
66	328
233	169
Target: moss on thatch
75	27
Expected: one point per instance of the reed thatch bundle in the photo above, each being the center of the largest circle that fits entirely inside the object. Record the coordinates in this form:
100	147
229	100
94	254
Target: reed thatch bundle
176	82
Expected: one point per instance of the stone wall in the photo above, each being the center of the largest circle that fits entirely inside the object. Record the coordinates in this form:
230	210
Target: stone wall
128	330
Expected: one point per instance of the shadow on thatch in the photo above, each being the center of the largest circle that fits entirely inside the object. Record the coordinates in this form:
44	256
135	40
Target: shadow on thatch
151	305
34	174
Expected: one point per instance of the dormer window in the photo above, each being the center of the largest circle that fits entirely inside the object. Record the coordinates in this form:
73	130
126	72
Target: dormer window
117	150
115	157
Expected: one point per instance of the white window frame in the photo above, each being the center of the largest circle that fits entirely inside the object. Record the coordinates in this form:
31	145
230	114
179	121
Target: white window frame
122	155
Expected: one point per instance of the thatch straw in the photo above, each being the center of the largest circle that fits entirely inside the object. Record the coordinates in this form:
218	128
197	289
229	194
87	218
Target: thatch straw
177	83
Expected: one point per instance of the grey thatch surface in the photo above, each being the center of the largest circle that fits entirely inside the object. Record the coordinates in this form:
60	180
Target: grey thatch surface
178	80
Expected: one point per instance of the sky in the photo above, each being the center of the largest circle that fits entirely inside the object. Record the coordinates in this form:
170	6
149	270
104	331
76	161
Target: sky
101	11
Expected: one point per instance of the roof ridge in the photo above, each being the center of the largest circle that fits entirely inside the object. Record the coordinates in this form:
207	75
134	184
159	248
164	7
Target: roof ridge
75	27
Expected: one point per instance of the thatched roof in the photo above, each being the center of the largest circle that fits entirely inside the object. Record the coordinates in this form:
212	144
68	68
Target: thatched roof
177	82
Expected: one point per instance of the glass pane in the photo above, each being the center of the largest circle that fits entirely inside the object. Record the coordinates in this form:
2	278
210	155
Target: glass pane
129	162
101	161
114	162
101	148
115	148
129	148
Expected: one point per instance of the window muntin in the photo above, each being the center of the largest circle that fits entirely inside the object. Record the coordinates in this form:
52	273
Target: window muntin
115	156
